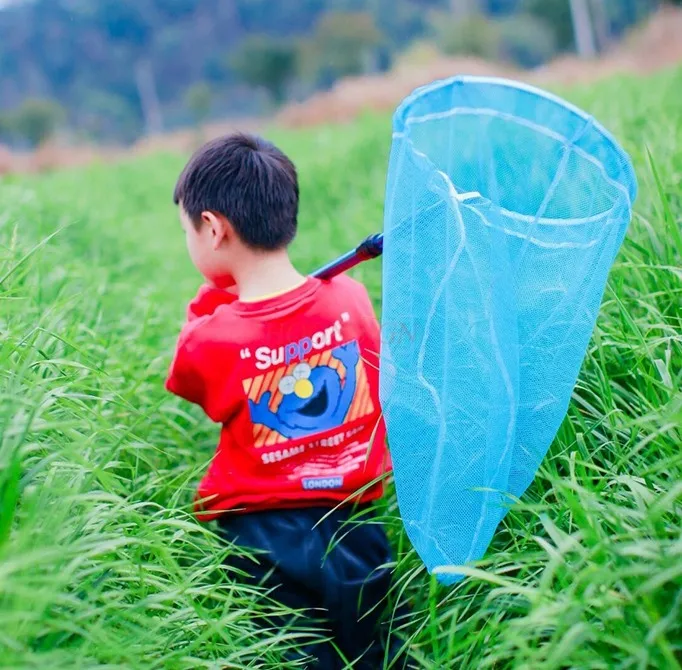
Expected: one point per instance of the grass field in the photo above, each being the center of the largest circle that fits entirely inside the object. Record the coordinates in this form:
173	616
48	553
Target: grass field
101	562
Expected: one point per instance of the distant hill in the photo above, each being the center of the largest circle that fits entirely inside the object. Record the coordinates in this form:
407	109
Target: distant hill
119	68
94	57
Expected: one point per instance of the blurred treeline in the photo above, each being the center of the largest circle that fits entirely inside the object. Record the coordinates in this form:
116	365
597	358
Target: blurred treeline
114	69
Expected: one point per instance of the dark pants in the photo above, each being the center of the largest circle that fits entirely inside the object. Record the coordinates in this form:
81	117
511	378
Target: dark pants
328	569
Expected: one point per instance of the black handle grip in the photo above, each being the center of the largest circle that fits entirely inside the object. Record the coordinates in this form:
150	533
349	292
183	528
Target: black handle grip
371	247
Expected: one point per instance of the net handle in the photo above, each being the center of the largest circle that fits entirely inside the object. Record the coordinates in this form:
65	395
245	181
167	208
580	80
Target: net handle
370	247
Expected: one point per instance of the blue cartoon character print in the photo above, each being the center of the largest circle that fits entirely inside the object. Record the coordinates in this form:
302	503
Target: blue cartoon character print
314	399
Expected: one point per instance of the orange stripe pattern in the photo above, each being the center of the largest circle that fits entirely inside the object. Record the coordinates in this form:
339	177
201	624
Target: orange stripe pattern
255	387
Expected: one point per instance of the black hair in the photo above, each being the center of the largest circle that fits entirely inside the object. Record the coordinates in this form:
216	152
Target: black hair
250	182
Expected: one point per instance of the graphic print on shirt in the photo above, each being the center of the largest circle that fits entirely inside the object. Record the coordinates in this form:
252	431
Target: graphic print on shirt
308	397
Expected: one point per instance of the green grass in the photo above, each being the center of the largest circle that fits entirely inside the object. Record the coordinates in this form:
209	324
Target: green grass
101	562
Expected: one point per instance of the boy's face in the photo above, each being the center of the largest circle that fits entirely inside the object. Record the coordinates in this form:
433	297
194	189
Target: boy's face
207	247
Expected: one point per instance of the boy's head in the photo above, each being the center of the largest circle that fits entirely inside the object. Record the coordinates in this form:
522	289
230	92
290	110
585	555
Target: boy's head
237	193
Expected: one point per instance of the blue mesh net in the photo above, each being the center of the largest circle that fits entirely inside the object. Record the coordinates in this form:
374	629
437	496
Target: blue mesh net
505	208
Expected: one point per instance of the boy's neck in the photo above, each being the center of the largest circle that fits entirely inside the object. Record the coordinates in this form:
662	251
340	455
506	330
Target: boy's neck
263	274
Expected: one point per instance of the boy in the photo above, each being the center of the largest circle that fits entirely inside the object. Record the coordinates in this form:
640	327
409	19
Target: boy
279	360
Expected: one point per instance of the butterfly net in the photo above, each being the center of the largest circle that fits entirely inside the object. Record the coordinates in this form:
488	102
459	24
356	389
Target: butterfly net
505	208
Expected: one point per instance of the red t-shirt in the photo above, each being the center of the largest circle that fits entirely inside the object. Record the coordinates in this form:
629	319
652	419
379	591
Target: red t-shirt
294	382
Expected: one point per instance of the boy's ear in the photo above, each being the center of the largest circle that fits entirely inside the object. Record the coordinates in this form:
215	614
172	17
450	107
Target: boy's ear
221	228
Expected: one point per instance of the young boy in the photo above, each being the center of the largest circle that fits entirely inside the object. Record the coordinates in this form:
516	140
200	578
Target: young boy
288	365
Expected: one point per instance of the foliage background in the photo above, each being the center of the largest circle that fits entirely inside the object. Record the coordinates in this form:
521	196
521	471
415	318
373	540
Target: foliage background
114	69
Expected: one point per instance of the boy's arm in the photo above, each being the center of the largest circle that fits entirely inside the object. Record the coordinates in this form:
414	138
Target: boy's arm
184	376
208	299
200	370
